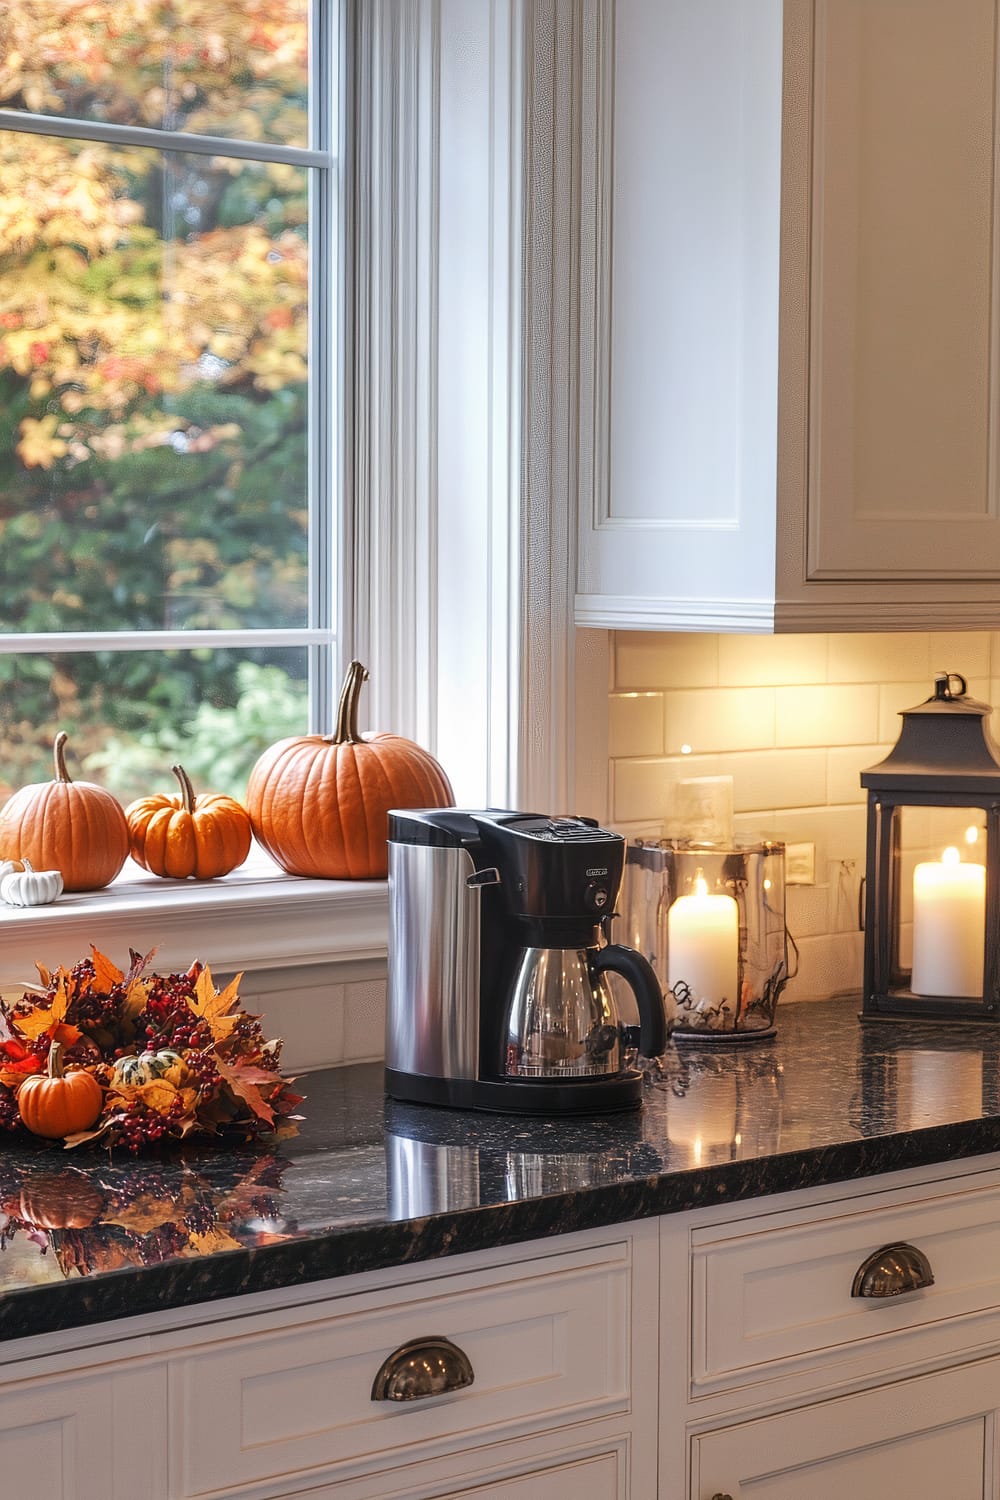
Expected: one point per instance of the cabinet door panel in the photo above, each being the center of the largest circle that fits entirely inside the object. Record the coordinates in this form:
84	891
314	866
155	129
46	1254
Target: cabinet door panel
903	424
56	1439
924	1438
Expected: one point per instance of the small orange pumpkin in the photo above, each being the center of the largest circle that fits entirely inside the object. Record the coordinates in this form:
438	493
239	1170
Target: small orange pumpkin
55	1103
185	836
319	804
61	1200
75	827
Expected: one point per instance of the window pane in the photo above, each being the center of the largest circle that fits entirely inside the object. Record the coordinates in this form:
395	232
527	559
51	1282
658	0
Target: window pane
130	715
153	368
234	68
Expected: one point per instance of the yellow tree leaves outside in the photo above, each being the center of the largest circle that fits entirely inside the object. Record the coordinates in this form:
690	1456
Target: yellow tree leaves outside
153	354
106	308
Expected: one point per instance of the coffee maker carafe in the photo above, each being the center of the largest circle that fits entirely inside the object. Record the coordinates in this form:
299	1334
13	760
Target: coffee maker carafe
498	997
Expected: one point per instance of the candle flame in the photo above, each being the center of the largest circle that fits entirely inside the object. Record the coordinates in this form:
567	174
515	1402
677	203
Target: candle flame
700	886
951	856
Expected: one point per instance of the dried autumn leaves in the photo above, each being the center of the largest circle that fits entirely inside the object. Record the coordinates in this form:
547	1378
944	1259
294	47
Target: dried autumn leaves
174	1056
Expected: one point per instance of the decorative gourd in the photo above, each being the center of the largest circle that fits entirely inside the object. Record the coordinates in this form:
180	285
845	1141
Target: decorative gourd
75	827
27	886
61	1200
146	1067
185	836
319	804
55	1103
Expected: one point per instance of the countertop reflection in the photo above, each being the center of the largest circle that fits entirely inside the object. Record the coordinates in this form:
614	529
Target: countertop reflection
371	1183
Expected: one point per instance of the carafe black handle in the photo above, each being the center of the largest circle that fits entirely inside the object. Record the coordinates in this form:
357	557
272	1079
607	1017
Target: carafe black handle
639	973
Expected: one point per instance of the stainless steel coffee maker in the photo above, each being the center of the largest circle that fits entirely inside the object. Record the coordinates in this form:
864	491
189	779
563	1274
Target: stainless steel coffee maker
497	996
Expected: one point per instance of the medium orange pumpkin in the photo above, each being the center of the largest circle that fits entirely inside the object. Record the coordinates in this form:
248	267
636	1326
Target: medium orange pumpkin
185	836
319	804
75	827
55	1103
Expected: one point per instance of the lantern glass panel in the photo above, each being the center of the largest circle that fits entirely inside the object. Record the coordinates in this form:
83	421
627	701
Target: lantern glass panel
938	902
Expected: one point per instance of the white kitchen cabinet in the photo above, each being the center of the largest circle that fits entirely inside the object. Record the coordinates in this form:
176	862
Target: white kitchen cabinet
790	338
790	1386
273	1395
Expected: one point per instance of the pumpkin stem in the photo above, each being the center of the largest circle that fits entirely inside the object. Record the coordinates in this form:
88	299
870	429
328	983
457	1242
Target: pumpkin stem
55	1060
187	790
59	755
346	732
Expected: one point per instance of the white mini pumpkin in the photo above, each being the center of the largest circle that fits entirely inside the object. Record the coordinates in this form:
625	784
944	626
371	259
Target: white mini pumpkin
20	885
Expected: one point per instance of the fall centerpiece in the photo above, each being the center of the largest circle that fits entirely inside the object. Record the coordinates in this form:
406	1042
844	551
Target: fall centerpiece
138	1059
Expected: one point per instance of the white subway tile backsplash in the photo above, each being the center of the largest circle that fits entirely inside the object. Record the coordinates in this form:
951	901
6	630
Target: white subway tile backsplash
635	724
826	715
970	652
807	910
827	966
844	764
771	660
647	660
892	657
639	791
729	719
761	778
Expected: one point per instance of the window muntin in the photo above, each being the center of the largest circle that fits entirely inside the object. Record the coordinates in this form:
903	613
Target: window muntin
166	306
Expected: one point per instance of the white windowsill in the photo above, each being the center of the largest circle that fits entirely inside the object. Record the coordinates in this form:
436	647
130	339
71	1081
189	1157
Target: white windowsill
256	918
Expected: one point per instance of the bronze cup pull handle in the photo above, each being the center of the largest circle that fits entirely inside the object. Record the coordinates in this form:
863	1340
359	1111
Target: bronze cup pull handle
423	1367
891	1271
720	1496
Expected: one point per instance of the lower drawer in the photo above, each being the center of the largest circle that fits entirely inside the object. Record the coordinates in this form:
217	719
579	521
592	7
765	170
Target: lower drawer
777	1292
547	1342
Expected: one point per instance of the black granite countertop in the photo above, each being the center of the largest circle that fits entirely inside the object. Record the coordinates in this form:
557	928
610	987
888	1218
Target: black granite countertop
369	1183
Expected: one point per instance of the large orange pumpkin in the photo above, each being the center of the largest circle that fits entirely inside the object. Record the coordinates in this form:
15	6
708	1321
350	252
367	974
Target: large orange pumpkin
74	827
319	804
188	836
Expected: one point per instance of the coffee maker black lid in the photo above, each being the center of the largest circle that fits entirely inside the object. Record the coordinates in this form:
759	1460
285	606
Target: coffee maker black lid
438	827
454	828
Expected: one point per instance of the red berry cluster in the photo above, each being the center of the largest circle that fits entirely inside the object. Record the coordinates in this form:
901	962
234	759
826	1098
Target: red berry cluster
137	1126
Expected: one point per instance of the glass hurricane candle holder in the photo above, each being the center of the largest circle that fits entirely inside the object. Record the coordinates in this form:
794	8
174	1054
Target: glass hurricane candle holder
711	921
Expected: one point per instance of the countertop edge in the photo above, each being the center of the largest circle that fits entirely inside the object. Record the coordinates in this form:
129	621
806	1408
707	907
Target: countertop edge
353	1249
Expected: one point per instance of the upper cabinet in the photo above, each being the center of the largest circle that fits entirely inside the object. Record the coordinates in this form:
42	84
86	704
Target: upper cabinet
790	345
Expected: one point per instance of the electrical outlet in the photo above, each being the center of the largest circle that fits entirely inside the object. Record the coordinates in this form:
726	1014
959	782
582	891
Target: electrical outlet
800	864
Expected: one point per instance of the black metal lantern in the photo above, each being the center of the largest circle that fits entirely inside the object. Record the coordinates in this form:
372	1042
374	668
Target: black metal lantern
932	892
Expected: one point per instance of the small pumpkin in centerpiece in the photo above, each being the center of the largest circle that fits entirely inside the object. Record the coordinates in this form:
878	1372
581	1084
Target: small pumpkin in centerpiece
75	827
319	804
187	837
56	1103
147	1066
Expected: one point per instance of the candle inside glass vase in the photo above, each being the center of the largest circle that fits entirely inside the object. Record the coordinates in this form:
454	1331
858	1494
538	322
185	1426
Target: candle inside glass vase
703	945
949	922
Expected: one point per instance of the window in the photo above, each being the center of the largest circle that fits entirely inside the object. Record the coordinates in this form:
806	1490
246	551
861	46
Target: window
167	298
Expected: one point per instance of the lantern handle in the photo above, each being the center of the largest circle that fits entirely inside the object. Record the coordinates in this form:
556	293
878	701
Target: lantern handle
943	685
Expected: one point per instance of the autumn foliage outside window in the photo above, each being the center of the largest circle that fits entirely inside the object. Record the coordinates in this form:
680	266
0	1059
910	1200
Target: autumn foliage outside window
158	171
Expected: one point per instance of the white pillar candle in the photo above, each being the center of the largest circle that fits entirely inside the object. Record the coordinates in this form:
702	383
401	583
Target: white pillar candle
703	944
949	924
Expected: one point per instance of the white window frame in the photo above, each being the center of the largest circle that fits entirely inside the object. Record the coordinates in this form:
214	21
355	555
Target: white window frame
458	452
